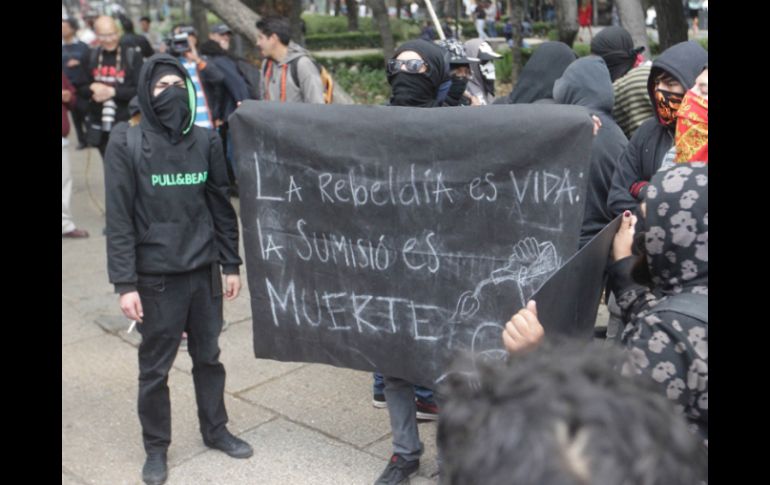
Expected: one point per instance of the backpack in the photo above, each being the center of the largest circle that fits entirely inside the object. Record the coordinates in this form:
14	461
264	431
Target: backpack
251	75
693	305
326	79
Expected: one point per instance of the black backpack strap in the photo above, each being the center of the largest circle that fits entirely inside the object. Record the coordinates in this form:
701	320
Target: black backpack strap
134	141
93	59
293	66
202	141
693	305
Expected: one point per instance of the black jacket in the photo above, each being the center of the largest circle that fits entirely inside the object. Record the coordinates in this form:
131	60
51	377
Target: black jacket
649	144
170	213
124	90
586	82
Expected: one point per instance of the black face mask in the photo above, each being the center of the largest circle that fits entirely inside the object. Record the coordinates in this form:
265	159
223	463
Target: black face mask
456	90
411	90
173	111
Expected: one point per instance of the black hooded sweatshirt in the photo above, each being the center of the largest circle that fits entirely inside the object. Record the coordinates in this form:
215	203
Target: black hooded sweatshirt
420	90
169	213
586	82
547	64
615	45
649	144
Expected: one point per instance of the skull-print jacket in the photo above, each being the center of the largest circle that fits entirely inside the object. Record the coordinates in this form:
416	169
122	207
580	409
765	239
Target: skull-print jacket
669	347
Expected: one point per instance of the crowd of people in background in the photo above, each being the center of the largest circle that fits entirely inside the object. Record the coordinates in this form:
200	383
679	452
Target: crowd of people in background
144	101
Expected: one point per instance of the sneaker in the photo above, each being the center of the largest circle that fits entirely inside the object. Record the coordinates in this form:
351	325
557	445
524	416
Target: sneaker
183	343
426	410
398	471
378	401
155	470
230	444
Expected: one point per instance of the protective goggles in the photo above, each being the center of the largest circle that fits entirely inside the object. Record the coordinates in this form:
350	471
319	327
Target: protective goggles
412	66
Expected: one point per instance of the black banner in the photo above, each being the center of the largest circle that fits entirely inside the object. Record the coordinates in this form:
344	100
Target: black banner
387	238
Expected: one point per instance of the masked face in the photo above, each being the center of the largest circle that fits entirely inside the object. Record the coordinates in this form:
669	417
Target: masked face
667	104
488	70
172	108
409	83
668	98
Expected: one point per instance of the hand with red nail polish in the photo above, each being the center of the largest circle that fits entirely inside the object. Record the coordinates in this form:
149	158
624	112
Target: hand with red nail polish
624	238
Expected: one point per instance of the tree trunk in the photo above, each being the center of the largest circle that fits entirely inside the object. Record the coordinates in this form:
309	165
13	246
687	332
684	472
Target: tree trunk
337	7
566	20
295	20
632	19
380	14
199	21
398	9
352	15
516	9
242	20
672	25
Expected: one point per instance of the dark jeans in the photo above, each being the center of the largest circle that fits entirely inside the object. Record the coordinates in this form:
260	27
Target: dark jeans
190	302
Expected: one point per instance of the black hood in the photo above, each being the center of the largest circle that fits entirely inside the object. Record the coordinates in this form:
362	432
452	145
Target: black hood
615	46
546	65
685	61
434	55
144	92
586	82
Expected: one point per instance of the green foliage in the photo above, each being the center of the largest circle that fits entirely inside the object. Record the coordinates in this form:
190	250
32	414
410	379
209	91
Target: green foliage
504	65
366	85
346	40
581	49
317	24
541	29
370	61
329	32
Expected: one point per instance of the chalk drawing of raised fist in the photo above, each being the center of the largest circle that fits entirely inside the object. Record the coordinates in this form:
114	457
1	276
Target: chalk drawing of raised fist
530	264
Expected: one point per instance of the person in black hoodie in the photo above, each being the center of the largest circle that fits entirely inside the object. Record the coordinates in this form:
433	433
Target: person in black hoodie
586	82
416	72
535	83
673	72
170	226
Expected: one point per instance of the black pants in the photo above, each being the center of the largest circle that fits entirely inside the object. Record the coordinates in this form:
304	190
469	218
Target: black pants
190	302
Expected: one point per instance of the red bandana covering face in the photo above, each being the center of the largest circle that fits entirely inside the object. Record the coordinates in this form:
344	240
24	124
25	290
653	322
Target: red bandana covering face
692	129
666	104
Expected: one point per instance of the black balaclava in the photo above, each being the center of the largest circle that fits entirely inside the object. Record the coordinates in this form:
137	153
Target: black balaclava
171	106
548	62
615	46
456	90
419	90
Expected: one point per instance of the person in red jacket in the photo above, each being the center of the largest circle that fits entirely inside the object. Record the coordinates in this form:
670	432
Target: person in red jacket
68	228
585	18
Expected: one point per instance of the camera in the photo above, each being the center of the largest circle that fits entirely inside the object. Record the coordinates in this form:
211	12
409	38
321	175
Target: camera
108	115
178	44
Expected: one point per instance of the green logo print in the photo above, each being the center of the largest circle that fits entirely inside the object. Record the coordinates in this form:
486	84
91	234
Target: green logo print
169	179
